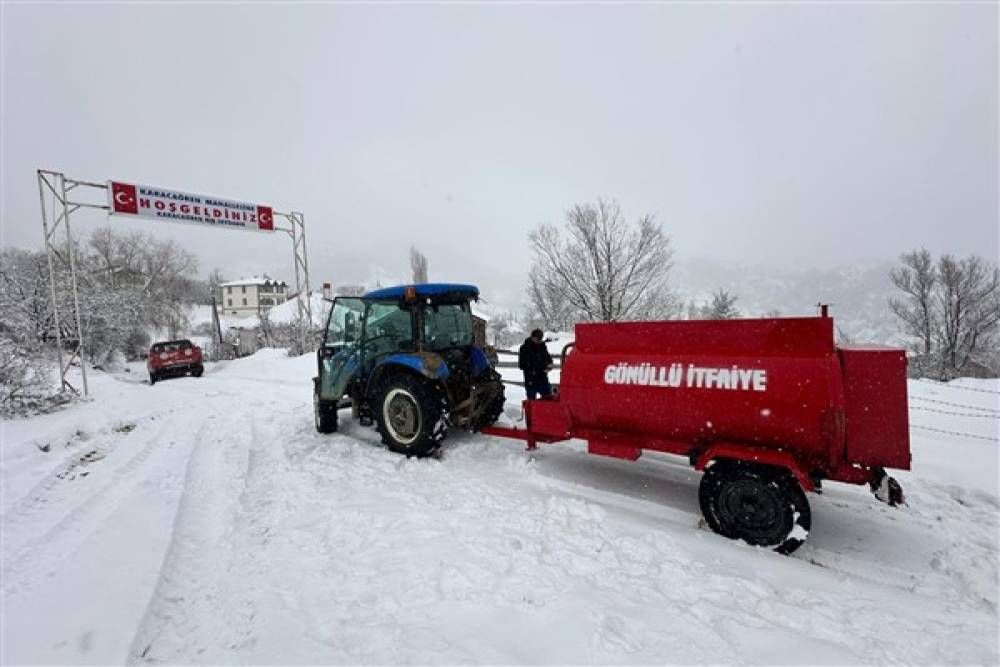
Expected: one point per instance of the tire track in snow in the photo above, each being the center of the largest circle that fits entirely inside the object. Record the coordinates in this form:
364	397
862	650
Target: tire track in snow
260	522
70	527
184	611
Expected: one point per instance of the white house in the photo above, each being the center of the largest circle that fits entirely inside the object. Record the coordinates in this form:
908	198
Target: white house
249	296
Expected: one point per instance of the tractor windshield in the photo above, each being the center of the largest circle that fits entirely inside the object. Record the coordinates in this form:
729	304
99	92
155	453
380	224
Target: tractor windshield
447	325
388	329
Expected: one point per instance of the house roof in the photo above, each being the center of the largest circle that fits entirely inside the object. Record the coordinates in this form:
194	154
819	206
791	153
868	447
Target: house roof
252	281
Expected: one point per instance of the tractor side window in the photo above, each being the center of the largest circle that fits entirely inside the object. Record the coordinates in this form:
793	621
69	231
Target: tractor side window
447	326
344	326
388	329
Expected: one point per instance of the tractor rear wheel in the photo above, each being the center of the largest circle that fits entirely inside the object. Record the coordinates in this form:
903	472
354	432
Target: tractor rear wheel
411	414
491	413
325	413
761	505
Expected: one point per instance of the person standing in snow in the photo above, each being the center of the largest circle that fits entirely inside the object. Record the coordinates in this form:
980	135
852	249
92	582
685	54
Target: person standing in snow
534	360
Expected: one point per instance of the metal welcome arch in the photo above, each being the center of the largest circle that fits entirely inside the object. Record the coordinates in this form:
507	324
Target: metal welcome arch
60	197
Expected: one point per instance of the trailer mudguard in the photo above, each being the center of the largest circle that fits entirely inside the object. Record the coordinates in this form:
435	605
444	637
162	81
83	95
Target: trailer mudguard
752	454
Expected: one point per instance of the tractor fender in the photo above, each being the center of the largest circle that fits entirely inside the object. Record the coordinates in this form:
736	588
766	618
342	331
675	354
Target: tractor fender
753	454
424	364
479	363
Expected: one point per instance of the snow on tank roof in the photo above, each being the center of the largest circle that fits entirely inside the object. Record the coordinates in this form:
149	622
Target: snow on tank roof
423	290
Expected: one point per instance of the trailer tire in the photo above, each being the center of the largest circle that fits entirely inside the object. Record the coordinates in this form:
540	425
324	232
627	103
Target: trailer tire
325	414
761	505
411	414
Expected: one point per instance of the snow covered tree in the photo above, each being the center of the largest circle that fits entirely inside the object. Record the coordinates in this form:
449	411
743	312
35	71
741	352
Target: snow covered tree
548	308
504	330
418	264
603	269
917	279
951	309
213	286
128	284
131	283
722	307
969	299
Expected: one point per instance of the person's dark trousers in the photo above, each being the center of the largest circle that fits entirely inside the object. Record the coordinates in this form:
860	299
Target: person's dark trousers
538	386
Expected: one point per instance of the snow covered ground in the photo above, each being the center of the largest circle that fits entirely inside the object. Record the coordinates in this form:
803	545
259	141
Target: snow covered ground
205	521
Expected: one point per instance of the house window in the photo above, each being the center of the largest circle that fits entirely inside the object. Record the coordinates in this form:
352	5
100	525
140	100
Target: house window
244	288
229	290
229	302
244	302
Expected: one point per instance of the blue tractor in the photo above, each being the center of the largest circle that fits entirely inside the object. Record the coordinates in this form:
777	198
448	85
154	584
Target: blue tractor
405	359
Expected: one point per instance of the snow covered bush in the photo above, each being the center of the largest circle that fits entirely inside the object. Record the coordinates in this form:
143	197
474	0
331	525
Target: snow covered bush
25	379
128	284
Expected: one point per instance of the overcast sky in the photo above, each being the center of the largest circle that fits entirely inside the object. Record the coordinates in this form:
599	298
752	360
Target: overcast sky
786	135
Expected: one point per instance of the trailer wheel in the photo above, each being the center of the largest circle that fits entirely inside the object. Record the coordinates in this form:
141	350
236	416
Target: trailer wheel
761	505
411	414
325	414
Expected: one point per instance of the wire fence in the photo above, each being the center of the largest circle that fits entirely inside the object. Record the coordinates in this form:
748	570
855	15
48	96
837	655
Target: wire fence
954	405
964	410
958	433
948	385
956	414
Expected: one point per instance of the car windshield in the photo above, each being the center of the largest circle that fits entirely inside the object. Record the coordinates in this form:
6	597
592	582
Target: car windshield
447	325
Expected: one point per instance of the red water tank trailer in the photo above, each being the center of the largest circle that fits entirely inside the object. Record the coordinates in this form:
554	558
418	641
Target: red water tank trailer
768	408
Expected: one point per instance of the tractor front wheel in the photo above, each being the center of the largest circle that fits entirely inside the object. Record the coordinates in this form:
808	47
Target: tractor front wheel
761	505
325	413
411	415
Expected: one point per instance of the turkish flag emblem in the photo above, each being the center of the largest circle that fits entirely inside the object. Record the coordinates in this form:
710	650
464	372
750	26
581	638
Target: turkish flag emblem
124	199
265	219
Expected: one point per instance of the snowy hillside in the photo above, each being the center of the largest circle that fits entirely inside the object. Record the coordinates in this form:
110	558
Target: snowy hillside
205	521
859	293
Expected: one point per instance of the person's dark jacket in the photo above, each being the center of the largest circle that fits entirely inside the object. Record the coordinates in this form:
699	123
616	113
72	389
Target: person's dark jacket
534	359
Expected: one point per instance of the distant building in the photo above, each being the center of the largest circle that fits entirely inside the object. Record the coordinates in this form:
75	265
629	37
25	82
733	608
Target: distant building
247	297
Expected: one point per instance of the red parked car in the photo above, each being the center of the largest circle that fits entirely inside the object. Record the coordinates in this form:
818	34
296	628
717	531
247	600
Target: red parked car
174	358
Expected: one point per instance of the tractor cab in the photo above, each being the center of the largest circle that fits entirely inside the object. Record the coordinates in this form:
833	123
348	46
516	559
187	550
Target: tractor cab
406	359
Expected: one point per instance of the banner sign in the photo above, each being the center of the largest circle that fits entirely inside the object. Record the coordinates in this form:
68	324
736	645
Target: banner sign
145	201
